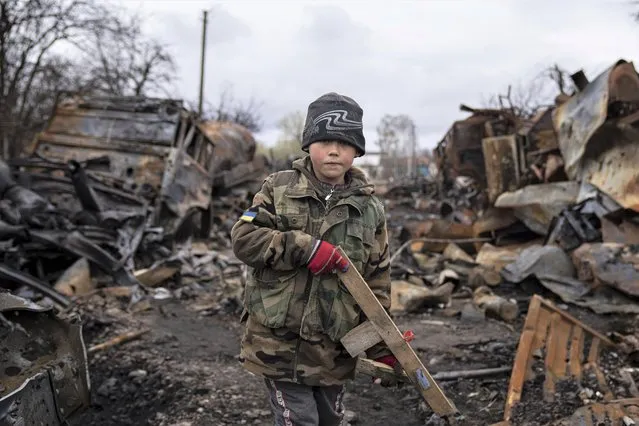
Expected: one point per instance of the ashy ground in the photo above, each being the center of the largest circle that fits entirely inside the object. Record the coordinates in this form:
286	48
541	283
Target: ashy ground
184	371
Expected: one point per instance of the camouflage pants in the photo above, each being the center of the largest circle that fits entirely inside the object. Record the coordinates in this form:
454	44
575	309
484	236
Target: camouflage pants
299	405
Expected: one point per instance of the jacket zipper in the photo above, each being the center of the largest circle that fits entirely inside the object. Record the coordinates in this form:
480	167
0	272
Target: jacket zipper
307	290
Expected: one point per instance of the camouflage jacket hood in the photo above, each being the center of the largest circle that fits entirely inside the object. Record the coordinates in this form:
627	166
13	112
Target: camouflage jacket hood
295	320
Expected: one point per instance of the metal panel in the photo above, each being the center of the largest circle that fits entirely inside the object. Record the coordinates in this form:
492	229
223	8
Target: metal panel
596	146
234	145
45	376
577	120
502	165
31	404
186	186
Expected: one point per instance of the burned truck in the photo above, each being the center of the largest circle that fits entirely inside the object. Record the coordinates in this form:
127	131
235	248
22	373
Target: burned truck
136	155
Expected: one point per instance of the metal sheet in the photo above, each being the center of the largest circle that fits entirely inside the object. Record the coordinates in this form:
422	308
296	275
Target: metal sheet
537	205
594	146
615	171
136	171
501	158
9	302
234	144
45	374
186	187
134	133
136	119
33	403
577	120
142	127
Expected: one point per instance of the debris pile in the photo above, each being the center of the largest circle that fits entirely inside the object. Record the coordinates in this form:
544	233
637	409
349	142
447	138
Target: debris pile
554	195
544	206
113	193
135	197
111	198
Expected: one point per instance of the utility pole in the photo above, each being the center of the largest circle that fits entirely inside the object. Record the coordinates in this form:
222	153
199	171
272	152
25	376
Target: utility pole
199	108
413	145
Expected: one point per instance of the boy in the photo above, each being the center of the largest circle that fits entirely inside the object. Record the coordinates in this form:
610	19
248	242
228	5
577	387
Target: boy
295	307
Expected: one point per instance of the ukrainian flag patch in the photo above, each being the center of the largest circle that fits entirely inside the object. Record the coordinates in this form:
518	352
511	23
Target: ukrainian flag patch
248	216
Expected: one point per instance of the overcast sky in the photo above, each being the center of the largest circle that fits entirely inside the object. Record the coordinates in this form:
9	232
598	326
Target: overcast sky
421	58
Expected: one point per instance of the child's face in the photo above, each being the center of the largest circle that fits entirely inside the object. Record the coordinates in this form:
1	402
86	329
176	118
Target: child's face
331	160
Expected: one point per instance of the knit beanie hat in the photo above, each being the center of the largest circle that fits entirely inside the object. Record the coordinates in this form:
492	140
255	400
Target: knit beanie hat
334	117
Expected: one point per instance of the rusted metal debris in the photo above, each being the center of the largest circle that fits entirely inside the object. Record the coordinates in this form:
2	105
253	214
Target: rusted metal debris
460	153
499	151
580	222
595	127
112	187
563	177
44	376
502	153
137	154
103	201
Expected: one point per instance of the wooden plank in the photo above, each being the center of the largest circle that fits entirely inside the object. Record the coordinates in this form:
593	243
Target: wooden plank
394	339
516	385
603	384
361	338
576	351
599	412
377	369
575	321
559	364
626	401
522	357
587	417
551	349
615	413
542	328
593	355
629	119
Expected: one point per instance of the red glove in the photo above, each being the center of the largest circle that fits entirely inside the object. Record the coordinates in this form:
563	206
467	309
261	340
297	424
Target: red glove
392	362
389	360
325	259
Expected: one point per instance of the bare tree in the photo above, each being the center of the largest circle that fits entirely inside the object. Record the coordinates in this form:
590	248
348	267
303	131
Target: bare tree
126	63
525	100
31	72
397	141
289	141
291	127
29	30
227	108
54	74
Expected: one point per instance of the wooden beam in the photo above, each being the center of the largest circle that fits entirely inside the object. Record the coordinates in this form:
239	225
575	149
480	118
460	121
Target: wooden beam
386	328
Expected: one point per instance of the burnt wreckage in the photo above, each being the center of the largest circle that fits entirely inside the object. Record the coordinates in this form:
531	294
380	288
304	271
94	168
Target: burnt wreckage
118	181
114	185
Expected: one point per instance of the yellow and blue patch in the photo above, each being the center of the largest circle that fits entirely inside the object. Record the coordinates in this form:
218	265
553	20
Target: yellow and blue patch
248	216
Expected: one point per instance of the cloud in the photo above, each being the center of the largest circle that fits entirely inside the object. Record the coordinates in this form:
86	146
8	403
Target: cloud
417	58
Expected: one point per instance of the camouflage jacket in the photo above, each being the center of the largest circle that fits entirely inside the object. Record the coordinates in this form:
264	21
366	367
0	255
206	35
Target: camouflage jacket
295	320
